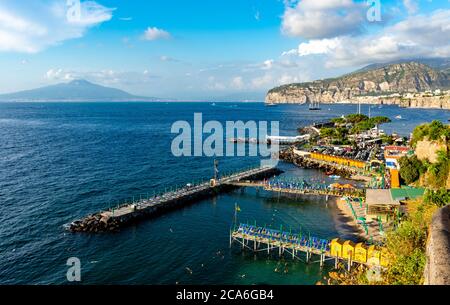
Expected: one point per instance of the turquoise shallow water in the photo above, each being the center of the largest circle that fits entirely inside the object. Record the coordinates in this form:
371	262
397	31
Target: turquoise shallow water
59	162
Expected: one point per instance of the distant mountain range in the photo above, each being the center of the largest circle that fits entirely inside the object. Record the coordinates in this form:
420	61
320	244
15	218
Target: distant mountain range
440	64
76	90
377	79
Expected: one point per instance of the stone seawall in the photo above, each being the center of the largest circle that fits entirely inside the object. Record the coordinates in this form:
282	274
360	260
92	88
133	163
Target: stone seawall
437	269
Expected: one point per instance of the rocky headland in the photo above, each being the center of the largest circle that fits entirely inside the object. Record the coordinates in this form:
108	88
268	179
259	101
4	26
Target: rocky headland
410	84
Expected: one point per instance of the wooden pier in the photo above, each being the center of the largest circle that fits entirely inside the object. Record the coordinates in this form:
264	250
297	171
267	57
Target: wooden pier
301	247
113	219
352	193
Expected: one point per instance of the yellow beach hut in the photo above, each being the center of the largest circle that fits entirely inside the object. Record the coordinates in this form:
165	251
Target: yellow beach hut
361	253
348	249
373	255
384	259
336	247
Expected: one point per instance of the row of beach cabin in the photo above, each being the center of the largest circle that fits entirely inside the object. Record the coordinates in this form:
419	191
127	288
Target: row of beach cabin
360	253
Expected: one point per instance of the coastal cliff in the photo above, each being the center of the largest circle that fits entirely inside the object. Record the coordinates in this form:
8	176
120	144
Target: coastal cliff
395	84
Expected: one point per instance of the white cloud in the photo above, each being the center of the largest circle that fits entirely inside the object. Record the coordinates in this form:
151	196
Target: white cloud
166	58
33	27
91	13
215	85
416	36
262	82
312	19
237	83
289	79
107	77
268	64
323	46
257	16
411	6
154	34
58	74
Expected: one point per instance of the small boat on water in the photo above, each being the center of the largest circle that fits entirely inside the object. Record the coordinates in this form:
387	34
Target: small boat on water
398	117
271	104
314	106
334	177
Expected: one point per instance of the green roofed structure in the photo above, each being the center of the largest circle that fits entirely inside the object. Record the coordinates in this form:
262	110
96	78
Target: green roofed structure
407	193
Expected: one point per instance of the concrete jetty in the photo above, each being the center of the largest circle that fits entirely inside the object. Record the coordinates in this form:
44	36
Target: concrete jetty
114	219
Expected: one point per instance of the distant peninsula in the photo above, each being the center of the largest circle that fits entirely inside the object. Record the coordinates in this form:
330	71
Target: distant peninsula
75	91
414	84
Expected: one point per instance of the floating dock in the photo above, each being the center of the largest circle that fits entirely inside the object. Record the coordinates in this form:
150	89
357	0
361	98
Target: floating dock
114	219
298	246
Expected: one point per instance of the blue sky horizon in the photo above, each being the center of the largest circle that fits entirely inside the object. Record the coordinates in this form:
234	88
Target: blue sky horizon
206	50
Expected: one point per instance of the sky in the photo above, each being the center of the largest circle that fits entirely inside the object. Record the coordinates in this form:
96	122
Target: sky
210	50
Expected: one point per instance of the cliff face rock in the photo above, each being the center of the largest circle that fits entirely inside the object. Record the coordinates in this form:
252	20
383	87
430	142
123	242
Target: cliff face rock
438	102
400	78
427	150
437	268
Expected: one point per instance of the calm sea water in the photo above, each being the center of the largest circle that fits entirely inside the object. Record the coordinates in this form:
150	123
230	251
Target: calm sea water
59	162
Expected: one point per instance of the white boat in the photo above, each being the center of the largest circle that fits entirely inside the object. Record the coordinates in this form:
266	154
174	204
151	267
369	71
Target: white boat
398	117
314	106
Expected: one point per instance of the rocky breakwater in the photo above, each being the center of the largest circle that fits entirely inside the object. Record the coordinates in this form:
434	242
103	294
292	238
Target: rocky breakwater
288	155
95	223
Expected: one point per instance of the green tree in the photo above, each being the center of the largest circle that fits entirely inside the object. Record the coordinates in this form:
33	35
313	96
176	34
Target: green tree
356	118
387	139
434	131
439	171
439	197
362	126
378	120
437	130
338	121
327	132
410	169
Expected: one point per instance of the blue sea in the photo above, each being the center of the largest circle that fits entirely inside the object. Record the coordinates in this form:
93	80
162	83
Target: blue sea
62	161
